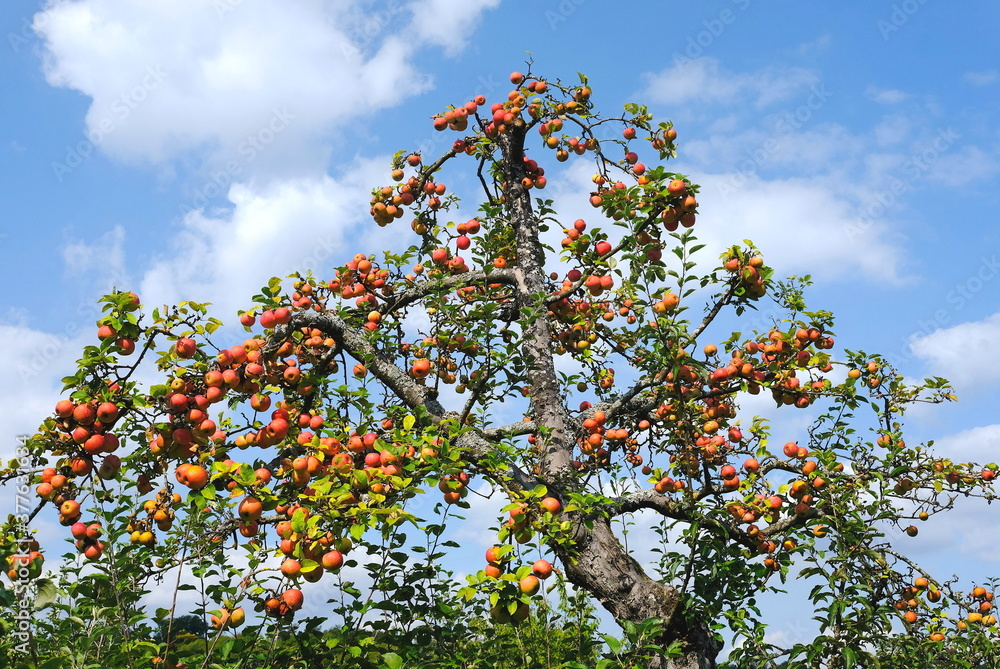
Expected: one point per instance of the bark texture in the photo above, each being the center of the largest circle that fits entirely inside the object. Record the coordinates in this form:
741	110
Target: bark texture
598	562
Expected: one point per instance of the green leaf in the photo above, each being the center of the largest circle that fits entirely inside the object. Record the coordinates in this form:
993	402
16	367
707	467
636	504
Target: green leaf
357	531
45	593
614	644
392	660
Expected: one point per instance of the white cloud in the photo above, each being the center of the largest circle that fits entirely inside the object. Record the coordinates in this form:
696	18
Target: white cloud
291	225
984	78
704	81
257	82
33	362
889	96
775	145
446	23
962	166
894	129
964	353
783	217
816	46
98	264
977	444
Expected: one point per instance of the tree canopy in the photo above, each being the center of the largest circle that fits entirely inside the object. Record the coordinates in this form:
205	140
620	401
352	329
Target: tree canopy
586	372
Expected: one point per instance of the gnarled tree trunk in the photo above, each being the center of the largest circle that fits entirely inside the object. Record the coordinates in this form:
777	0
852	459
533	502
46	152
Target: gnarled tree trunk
597	563
601	566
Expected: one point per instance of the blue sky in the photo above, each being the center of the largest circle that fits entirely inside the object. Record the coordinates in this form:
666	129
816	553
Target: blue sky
192	149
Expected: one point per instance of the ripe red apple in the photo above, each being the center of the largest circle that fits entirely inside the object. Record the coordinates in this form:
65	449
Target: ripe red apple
107	412
84	414
292	598
132	303
94	444
542	569
250	509
551	504
439	256
332	560
81	466
267	320
185	347
70	509
283	315
291	567
194	476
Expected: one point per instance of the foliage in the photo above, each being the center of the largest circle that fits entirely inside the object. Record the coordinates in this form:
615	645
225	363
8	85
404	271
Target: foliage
337	443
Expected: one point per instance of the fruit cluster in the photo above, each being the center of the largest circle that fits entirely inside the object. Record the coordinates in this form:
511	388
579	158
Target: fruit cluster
87	539
523	582
159	512
26	564
88	425
283	605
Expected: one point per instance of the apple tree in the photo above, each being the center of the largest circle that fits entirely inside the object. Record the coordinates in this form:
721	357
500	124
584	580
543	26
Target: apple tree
587	374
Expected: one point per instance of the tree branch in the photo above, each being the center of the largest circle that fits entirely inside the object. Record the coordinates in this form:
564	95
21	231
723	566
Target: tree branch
357	345
465	279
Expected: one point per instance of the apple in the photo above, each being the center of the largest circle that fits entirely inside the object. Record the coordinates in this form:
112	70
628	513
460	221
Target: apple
542	569
268	320
185	347
84	414
292	598
529	585
110	467
551	504
250	509
332	560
